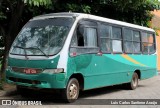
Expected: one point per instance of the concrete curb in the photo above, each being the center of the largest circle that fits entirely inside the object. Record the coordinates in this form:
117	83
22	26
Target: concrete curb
2	93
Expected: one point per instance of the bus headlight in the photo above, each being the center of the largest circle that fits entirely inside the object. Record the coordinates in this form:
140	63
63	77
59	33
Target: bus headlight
59	70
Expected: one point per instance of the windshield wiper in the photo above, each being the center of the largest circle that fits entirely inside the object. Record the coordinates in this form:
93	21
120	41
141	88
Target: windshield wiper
24	50
35	47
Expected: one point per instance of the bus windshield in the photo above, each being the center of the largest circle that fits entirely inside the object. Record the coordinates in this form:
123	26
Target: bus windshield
42	37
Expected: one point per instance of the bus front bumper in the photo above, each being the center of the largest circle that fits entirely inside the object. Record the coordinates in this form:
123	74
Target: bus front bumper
40	80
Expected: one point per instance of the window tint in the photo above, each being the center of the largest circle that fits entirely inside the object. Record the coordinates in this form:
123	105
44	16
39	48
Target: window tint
148	44
105	45
131	41
150	38
117	46
116	39
144	37
105	42
116	33
84	39
151	45
144	43
128	34
136	47
136	36
145	48
128	47
104	31
151	48
90	37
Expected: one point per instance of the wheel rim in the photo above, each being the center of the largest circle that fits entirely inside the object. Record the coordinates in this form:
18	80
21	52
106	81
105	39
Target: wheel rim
73	90
134	81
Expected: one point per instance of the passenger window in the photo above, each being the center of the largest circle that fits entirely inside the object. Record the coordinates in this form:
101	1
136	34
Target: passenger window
128	34
116	33
116	39
84	40
128	47
90	37
86	37
150	38
105	42
80	36
148	44
116	46
136	47
136	36
144	37
104	31
151	44
131	41
105	45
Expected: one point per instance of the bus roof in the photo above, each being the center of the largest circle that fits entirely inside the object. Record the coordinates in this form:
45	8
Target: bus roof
98	18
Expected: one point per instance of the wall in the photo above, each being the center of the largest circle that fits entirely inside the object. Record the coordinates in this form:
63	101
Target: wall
158	50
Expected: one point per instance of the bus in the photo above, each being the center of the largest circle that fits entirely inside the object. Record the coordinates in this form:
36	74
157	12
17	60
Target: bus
70	52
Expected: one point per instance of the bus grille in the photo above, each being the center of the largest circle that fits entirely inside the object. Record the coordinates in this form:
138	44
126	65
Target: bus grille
24	80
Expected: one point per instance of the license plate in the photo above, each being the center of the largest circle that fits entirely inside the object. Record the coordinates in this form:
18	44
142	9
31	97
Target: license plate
30	71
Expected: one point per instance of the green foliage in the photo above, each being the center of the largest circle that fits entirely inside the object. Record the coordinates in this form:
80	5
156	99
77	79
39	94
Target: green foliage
86	9
132	11
38	2
78	8
2	16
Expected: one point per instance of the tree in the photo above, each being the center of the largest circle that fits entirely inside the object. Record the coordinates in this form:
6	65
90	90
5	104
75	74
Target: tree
133	11
12	18
15	13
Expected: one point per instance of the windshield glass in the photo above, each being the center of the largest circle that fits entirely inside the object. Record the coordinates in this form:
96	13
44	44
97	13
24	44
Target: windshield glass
42	37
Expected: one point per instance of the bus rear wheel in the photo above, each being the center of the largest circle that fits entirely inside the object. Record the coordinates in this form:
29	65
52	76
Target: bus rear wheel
134	82
71	93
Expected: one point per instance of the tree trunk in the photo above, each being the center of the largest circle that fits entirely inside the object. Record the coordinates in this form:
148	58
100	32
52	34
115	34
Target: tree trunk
12	31
5	55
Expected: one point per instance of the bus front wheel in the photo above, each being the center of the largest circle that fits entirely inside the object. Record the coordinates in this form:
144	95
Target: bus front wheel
134	82
71	93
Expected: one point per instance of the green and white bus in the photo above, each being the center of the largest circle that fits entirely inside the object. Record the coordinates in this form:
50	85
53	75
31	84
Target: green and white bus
74	51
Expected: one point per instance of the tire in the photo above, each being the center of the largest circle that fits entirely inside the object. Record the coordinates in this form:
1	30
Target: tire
71	93
134	82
